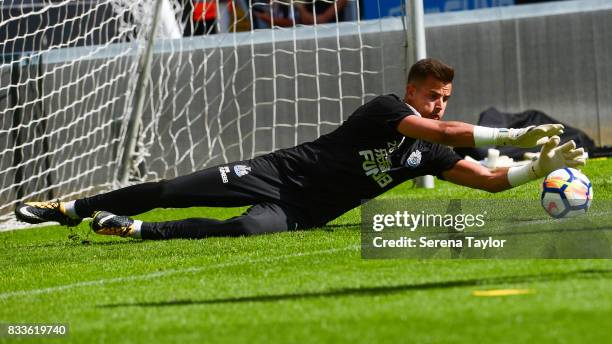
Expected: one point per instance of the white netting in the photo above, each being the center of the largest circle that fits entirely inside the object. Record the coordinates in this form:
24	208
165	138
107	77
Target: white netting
69	73
64	86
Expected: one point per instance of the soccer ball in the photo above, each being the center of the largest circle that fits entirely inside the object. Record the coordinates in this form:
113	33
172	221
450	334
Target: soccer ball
566	192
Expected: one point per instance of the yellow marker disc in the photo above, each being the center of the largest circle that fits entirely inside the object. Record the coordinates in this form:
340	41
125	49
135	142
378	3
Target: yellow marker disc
502	292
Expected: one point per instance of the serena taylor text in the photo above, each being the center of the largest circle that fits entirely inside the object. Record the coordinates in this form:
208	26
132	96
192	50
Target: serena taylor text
424	242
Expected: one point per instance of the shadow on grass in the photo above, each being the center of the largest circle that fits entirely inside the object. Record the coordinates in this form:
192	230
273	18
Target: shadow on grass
332	227
382	290
76	243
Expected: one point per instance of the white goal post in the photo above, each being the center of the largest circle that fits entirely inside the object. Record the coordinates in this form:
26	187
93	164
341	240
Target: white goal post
69	78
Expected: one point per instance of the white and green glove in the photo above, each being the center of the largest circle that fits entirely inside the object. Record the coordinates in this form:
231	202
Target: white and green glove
522	137
552	157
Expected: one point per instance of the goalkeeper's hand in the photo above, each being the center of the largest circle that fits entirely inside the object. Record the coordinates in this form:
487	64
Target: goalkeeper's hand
528	137
552	157
522	137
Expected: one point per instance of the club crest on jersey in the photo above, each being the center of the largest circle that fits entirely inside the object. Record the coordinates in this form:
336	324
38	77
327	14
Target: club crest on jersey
242	170
414	159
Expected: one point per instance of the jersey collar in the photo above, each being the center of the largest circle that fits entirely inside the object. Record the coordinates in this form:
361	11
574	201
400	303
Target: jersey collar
413	110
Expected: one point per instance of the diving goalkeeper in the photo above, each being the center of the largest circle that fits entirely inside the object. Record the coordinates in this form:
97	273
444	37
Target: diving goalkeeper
383	143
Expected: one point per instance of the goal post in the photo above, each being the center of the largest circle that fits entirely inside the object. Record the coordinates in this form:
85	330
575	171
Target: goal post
416	49
69	75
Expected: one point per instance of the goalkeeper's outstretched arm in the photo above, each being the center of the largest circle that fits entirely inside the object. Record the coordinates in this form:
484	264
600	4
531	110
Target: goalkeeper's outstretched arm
552	157
460	134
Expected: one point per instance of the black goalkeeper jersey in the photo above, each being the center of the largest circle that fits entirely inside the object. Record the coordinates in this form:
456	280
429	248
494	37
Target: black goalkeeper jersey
361	159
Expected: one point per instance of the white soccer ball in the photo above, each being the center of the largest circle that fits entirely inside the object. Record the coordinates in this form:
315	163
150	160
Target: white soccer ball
566	192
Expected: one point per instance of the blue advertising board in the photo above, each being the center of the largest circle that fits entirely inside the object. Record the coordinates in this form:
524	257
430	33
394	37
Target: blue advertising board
387	8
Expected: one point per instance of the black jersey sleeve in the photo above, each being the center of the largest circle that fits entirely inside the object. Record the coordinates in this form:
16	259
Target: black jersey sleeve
387	111
444	159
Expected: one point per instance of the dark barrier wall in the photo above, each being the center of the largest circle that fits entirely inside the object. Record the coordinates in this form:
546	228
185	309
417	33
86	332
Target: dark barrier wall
556	58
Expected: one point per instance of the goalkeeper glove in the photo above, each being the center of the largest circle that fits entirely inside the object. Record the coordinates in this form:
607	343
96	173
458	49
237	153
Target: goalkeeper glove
522	137
552	157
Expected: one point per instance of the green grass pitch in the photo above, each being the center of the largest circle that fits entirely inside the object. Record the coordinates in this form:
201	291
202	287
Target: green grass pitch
303	286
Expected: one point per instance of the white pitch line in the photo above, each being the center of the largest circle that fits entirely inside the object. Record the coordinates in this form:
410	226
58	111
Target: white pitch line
165	273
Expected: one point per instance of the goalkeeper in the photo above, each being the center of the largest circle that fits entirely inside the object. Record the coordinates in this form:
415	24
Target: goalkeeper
382	144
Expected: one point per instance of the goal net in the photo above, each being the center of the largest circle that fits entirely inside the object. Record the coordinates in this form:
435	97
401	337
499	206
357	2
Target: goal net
225	81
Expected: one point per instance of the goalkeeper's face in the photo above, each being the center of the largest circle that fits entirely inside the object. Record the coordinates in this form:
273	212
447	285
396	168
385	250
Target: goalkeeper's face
429	97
